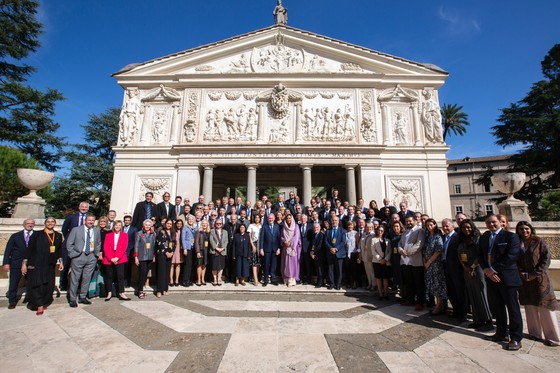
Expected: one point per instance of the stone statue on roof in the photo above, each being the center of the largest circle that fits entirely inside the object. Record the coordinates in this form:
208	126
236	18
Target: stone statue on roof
280	14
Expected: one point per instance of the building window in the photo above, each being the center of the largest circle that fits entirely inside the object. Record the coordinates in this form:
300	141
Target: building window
487	188
489	209
457	188
458	210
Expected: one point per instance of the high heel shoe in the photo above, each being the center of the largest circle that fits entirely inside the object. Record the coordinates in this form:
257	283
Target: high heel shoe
123	298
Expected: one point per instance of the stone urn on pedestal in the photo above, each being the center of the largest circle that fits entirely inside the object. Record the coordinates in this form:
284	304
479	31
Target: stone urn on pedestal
509	183
32	205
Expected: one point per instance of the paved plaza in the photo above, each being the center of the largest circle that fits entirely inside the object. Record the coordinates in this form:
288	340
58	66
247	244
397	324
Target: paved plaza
248	329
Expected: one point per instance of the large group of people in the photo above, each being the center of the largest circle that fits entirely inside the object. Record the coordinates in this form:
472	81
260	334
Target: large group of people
328	243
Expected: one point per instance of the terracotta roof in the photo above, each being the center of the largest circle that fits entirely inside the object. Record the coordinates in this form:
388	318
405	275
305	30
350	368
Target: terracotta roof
480	159
280	26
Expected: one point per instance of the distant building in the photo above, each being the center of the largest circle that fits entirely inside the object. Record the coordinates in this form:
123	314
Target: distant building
468	197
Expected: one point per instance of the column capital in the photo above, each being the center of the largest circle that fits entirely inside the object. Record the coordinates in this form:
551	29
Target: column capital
306	166
208	166
350	166
251	165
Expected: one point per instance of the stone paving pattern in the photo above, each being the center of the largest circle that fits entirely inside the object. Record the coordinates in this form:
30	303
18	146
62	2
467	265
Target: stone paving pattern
234	329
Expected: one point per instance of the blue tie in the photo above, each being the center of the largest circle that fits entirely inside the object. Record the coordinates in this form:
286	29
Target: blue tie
88	240
334	232
148	211
491	242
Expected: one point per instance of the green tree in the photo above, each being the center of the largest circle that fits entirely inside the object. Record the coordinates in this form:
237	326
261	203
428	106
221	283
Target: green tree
10	160
25	113
550	205
91	171
453	120
534	123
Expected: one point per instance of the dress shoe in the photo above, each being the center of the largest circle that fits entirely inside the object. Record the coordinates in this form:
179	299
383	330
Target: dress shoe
317	286
550	343
514	345
73	304
265	284
11	306
84	301
108	299
329	287
497	338
337	288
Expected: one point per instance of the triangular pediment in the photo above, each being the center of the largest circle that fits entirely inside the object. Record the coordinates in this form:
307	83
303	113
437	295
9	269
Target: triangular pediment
278	49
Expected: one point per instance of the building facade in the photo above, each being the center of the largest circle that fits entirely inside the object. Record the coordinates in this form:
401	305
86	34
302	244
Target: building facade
466	195
282	107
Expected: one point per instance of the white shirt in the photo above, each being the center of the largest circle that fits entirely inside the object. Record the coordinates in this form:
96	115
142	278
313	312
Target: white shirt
91	239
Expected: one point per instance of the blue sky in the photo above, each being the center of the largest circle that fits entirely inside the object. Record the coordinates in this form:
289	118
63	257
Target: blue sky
491	49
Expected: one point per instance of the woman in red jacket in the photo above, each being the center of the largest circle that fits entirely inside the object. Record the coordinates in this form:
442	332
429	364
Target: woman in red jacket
114	259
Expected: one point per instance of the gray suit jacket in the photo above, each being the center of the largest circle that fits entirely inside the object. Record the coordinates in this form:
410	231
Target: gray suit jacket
77	239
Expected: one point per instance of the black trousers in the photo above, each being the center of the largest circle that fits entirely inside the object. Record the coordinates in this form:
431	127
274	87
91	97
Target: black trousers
109	272
353	270
15	278
414	284
187	267
305	263
456	290
320	269
336	266
162	272
269	265
504	305
143	267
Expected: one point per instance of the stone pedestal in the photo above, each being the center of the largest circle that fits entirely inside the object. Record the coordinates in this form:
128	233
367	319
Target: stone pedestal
29	207
514	209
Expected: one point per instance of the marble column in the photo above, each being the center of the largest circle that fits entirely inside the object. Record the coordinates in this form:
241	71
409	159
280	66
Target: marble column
351	183
173	126
416	119
207	181
251	182
260	125
144	131
385	124
299	135
306	198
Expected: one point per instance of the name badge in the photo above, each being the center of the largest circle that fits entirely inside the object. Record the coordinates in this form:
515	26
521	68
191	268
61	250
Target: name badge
333	241
489	259
395	250
313	248
464	257
170	245
148	245
52	249
205	243
91	245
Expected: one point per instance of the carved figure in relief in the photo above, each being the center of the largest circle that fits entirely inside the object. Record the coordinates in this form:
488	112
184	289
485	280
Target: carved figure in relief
231	124
400	128
159	126
279	101
251	124
280	13
349	122
241	119
319	123
431	117
128	121
338	124
308	122
242	65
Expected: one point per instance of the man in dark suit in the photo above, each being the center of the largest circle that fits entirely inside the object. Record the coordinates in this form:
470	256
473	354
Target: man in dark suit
144	210
453	269
326	212
13	257
178	207
239	206
165	209
350	217
317	252
71	221
269	248
84	247
306	230
498	252
199	203
335	243
404	212
130	230
279	204
231	227
387	203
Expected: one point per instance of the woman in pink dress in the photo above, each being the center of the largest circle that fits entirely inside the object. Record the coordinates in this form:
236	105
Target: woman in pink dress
291	250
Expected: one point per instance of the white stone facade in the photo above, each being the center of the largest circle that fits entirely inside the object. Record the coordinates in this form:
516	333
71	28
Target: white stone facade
282	97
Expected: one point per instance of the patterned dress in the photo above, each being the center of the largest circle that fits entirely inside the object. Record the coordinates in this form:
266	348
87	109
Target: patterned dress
435	277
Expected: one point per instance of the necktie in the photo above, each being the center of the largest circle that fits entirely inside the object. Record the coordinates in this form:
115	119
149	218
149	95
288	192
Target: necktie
271	228
445	240
81	219
88	240
148	211
491	242
334	232
27	234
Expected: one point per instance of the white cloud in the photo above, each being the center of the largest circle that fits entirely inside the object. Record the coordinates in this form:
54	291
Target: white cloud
457	24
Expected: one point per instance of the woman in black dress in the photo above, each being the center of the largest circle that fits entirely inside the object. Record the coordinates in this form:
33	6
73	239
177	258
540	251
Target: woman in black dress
165	246
42	255
241	252
201	242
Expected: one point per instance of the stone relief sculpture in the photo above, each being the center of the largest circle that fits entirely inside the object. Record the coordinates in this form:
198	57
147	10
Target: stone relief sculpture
162	93
350	67
280	13
128	121
279	101
400	125
407	190
367	126
431	117
276	58
156	185
192	111
159	125
240	66
324	124
231	124
279	133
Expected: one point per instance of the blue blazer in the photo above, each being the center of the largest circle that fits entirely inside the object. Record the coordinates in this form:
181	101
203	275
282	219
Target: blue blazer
269	241
338	242
15	250
131	237
503	258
